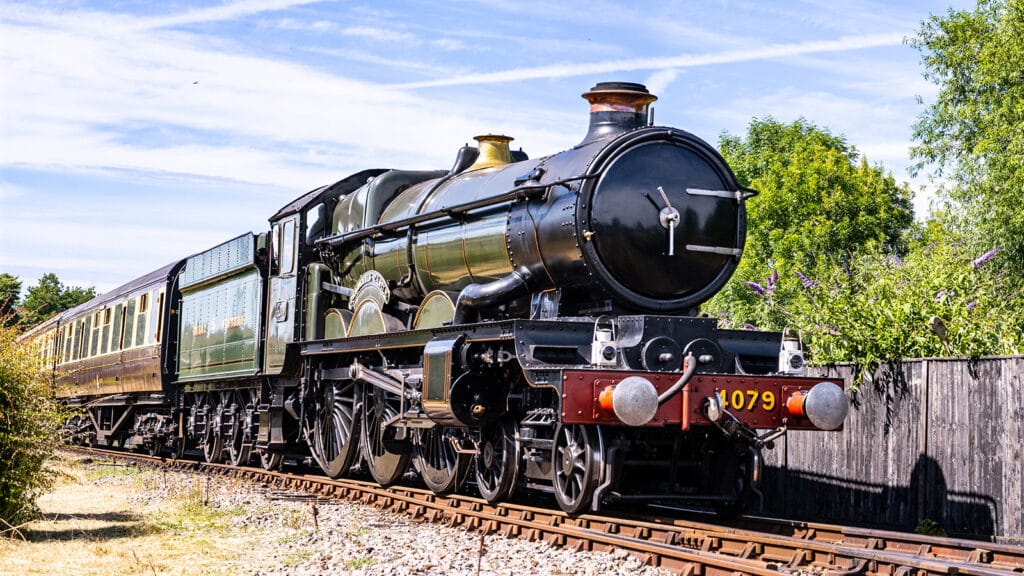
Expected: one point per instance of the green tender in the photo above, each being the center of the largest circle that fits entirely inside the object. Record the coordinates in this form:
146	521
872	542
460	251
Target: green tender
220	312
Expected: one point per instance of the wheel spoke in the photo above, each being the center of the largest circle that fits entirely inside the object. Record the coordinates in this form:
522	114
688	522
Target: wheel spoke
442	467
574	465
386	467
333	431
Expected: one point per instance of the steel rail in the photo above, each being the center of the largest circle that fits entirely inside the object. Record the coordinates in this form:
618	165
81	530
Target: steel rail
679	545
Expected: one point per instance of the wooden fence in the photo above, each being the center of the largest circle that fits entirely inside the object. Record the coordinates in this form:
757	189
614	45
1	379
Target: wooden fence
939	440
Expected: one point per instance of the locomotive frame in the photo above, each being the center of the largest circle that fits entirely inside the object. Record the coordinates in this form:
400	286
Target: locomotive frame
532	324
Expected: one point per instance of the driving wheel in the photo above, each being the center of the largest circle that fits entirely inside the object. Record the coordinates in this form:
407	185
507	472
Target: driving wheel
335	433
386	458
497	462
442	467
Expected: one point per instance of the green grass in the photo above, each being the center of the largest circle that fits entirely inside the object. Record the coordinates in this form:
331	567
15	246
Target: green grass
358	562
192	513
102	470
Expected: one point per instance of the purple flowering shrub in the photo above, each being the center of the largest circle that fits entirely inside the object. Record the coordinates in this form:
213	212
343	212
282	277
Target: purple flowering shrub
940	300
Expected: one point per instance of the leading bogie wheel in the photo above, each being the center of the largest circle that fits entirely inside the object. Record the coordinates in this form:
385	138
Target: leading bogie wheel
576	459
442	466
497	460
386	457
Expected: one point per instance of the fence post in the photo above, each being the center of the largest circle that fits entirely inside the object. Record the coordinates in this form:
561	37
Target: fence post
922	444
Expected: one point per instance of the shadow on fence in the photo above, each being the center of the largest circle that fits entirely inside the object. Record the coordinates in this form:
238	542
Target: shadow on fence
925	504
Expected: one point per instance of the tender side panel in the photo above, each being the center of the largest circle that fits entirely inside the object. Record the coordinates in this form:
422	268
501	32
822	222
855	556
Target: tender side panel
221	306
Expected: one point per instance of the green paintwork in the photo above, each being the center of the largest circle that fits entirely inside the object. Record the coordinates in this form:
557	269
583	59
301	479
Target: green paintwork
436	309
453	256
367	319
223	260
221	305
281	300
316	274
336	323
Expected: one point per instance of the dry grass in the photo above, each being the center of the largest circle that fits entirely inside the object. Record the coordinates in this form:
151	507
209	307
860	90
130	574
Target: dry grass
92	526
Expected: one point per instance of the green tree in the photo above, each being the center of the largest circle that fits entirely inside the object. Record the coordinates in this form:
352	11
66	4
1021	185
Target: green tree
973	133
10	294
820	202
49	297
29	422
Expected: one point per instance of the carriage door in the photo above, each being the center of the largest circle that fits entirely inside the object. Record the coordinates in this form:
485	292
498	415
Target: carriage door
281	293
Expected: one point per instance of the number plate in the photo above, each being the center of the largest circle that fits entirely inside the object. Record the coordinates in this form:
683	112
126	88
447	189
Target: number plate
757	401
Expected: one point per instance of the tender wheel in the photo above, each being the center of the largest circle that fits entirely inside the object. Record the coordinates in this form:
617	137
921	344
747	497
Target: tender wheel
576	463
239	440
442	468
385	457
334	438
497	463
213	440
178	446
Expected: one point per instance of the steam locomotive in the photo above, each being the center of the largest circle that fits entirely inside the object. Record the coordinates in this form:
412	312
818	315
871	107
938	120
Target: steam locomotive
524	323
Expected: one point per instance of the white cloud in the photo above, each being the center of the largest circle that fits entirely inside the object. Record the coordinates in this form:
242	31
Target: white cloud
684	61
380	34
293	24
9	191
449	44
658	82
227	11
75	102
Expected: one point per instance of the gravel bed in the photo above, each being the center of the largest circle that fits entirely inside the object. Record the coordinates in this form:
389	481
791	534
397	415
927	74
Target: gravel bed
357	539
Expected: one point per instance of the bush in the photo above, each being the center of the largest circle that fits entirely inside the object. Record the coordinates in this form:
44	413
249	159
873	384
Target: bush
29	424
940	300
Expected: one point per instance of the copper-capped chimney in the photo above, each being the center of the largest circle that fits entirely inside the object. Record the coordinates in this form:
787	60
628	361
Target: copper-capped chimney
493	151
617	107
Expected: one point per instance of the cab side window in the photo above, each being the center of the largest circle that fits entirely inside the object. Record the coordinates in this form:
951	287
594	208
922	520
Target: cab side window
288	247
275	249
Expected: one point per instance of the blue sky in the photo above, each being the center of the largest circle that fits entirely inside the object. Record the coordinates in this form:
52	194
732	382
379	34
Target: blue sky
133	133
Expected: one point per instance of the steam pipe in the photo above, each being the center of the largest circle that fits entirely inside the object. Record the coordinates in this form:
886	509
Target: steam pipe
476	296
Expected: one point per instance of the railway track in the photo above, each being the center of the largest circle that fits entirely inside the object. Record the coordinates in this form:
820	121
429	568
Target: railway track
757	546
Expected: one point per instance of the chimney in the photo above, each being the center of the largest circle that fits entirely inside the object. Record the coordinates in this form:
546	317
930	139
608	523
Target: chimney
616	107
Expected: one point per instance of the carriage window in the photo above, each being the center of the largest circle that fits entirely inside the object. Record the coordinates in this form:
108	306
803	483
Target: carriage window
94	335
116	328
129	324
105	332
288	246
77	349
156	319
68	341
140	320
